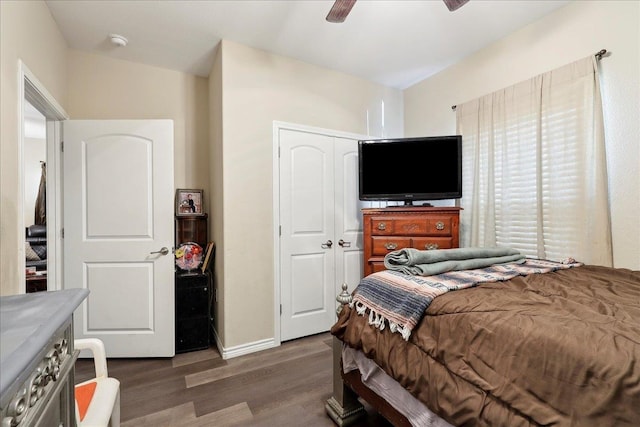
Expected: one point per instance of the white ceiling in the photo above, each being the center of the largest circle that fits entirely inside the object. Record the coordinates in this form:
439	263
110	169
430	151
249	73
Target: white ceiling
396	43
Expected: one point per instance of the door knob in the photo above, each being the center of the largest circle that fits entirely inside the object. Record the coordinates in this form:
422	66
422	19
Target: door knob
327	245
163	251
344	244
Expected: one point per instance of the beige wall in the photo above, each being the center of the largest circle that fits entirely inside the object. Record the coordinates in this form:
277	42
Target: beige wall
105	88
27	32
258	88
216	167
577	30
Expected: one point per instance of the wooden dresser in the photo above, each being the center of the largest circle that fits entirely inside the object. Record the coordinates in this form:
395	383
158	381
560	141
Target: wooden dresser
393	228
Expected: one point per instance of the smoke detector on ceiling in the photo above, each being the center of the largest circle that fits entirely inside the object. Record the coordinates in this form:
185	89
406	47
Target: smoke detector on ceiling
118	40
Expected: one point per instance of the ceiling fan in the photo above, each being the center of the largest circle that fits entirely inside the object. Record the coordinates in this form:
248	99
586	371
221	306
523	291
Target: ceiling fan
341	8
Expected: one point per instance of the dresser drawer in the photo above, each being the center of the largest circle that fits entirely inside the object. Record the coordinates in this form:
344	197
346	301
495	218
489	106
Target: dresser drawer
377	266
398	226
381	226
440	226
431	243
382	245
412	226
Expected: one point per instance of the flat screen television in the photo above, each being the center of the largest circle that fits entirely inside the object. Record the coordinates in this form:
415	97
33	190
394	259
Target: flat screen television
408	169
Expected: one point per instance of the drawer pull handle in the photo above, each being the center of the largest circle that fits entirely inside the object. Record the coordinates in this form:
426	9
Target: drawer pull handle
439	225
382	226
390	246
431	246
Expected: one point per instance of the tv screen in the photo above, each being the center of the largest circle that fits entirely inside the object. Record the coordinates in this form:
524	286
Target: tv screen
406	169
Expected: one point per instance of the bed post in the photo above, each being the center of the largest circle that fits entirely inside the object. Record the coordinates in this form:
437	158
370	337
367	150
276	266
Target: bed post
343	406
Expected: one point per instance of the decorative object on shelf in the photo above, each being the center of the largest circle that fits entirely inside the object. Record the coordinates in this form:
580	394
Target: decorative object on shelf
208	256
189	202
189	256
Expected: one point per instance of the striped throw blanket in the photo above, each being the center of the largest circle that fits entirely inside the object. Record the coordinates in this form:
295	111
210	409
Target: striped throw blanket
400	300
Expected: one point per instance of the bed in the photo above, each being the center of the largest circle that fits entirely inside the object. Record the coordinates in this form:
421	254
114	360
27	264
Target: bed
560	349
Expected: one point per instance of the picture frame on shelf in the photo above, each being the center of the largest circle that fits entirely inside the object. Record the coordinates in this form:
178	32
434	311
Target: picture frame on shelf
208	256
189	202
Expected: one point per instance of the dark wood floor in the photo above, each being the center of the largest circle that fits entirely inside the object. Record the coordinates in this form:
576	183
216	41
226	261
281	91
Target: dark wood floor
284	386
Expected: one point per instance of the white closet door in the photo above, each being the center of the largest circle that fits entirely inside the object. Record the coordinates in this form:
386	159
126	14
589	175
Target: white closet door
306	209
348	216
318	208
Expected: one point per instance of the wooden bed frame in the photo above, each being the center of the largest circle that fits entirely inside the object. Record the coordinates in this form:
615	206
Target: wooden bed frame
343	406
345	409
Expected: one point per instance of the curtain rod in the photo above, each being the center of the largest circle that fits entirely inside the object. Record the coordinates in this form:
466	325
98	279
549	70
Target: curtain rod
602	53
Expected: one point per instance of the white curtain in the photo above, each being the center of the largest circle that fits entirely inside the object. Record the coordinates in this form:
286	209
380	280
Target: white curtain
534	175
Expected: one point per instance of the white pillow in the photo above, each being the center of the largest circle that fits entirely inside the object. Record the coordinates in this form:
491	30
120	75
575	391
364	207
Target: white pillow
30	253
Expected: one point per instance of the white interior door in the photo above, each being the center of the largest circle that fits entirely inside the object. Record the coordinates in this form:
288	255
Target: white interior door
348	216
318	208
118	233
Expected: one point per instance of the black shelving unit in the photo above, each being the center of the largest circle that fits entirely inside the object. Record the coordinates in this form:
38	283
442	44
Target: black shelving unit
193	301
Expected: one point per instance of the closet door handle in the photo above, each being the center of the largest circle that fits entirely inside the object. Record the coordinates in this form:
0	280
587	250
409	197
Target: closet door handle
327	244
344	244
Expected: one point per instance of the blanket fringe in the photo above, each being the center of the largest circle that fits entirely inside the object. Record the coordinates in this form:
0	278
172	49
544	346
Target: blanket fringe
402	330
360	307
378	320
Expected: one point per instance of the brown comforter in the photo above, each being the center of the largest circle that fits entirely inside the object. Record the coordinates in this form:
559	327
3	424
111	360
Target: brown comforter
559	349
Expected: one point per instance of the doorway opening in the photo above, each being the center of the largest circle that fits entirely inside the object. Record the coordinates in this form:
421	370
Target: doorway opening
40	162
35	212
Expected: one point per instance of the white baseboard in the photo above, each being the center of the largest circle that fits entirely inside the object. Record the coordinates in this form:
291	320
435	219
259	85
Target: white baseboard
242	349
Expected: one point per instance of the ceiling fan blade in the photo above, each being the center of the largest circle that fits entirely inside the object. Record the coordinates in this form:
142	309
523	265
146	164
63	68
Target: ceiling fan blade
340	10
454	4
